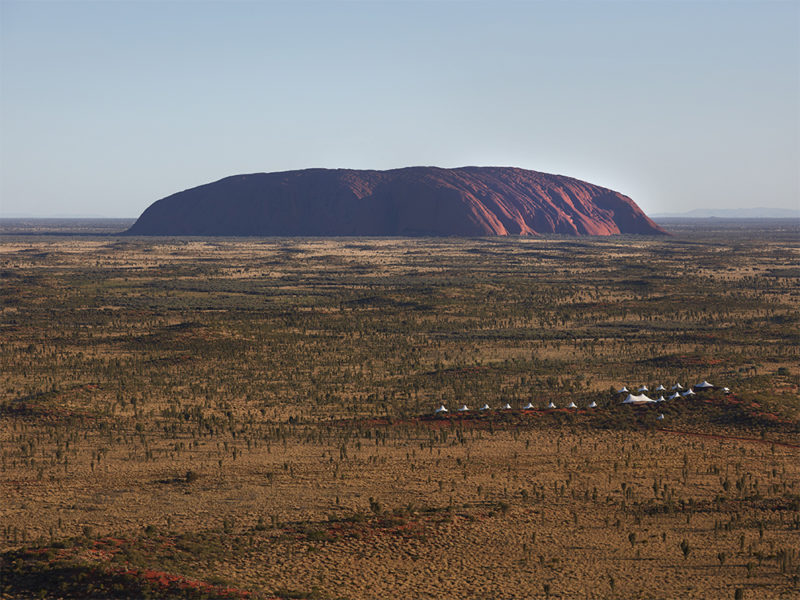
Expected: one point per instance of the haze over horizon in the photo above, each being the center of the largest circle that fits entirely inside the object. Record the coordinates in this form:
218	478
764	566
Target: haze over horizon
108	107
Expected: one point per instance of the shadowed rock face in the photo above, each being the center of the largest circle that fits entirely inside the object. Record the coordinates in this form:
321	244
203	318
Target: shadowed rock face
416	201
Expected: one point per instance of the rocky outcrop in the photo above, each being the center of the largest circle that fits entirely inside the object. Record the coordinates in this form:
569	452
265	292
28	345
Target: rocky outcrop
415	201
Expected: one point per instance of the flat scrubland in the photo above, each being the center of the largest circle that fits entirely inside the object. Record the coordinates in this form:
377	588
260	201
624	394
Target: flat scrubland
231	418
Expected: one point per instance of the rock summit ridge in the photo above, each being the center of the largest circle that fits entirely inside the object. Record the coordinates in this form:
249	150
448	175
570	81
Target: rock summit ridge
413	201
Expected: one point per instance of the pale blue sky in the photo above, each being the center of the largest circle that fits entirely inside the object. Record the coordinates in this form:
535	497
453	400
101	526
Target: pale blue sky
106	107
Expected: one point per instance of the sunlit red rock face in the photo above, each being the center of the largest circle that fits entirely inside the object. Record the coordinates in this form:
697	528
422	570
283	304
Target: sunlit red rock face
416	201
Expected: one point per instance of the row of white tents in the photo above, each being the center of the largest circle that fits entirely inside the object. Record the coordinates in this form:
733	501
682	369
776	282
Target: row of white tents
703	385
639	398
528	406
678	392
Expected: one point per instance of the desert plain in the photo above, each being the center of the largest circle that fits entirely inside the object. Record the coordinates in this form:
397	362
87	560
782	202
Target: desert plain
253	417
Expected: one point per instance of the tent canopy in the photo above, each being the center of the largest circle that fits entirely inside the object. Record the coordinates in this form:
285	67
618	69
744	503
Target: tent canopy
641	399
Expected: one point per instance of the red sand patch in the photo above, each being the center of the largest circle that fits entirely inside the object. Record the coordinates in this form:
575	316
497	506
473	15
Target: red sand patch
168	580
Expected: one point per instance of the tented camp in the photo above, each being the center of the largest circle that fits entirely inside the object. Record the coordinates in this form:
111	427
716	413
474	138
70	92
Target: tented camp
593	404
528	406
463	408
506	406
641	399
624	390
572	405
704	386
441	409
485	407
688	393
551	405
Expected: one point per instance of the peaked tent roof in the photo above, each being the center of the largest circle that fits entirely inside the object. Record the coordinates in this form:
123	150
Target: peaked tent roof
704	386
506	406
677	386
674	395
485	407
528	406
624	390
463	408
551	405
660	388
441	409
688	392
593	404
660	417
641	399
572	405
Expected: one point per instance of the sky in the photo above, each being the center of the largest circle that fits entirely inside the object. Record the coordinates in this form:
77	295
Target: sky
105	107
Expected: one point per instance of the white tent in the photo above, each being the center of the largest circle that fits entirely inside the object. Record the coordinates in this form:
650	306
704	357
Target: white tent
551	405
674	395
624	390
528	406
687	393
642	399
441	409
661	388
642	389
677	386
726	390
463	408
572	405
506	406
703	386
660	399
485	407
593	404
660	417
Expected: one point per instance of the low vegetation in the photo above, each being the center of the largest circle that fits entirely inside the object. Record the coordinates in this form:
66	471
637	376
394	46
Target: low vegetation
251	418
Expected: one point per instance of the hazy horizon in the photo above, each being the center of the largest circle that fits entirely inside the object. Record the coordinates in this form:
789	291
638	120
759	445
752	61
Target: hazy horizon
108	107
